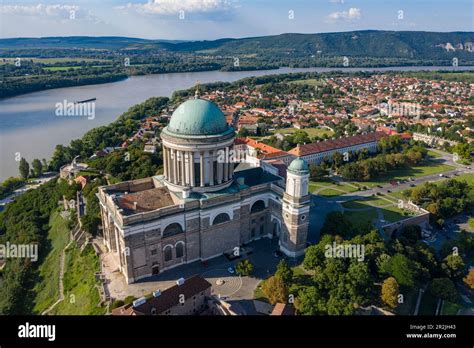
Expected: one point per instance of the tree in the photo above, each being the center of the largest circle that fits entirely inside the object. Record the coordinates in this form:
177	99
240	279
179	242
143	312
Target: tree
24	168
315	254
337	223
317	172
403	269
275	290
390	292
453	266
444	288
284	272
244	267
469	280
90	223
37	167
310	302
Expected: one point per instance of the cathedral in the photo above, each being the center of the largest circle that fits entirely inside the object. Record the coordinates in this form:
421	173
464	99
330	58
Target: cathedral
209	200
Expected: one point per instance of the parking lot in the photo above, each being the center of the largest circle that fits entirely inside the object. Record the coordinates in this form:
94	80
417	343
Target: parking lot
228	286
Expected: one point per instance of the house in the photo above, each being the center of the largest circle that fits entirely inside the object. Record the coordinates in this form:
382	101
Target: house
187	297
283	309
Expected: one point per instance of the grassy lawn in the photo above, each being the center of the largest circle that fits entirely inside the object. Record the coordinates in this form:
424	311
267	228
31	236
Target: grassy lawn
47	290
469	178
331	188
434	154
393	213
368	202
312	132
428	304
424	169
81	296
361	218
329	192
310	82
62	68
450	308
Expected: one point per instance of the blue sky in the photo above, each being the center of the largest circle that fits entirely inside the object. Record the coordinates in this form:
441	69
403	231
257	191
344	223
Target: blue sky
211	19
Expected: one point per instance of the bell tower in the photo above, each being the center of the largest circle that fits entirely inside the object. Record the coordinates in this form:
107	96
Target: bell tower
295	209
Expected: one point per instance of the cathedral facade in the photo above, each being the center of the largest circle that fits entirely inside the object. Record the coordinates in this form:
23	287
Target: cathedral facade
206	203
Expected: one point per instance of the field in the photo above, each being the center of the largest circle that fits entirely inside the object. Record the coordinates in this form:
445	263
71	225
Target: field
81	296
47	289
51	60
360	211
310	82
467	76
424	169
312	132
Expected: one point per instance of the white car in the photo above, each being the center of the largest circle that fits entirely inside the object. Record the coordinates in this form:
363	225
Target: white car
230	270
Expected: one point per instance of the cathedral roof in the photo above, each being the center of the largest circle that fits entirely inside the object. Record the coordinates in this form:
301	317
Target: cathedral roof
299	166
198	117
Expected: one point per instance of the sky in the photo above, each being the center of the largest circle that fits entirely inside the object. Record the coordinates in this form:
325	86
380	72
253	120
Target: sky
213	19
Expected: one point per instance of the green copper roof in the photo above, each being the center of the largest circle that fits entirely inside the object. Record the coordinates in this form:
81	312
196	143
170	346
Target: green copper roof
197	117
299	166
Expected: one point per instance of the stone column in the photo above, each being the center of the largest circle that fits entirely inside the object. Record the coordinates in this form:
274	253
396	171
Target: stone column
191	168
183	172
163	149
219	172
226	165
211	168
201	167
175	167
170	165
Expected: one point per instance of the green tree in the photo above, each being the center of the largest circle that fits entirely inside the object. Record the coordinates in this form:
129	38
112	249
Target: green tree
403	270
244	267
24	168
444	288
453	266
390	292
337	223
37	167
284	272
310	302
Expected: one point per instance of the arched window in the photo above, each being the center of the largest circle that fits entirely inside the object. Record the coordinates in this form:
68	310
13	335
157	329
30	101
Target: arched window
168	252
222	217
179	250
172	229
257	207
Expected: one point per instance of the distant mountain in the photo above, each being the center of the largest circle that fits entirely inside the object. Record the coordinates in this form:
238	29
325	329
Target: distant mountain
87	42
368	43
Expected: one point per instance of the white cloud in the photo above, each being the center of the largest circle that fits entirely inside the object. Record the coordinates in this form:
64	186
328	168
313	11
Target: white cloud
172	7
337	1
43	10
352	14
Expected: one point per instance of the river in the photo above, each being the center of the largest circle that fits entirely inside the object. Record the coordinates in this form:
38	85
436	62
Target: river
30	128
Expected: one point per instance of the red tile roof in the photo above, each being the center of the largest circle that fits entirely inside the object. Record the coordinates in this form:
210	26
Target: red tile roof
330	145
168	298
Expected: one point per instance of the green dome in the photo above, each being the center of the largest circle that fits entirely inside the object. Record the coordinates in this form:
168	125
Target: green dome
197	117
299	166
